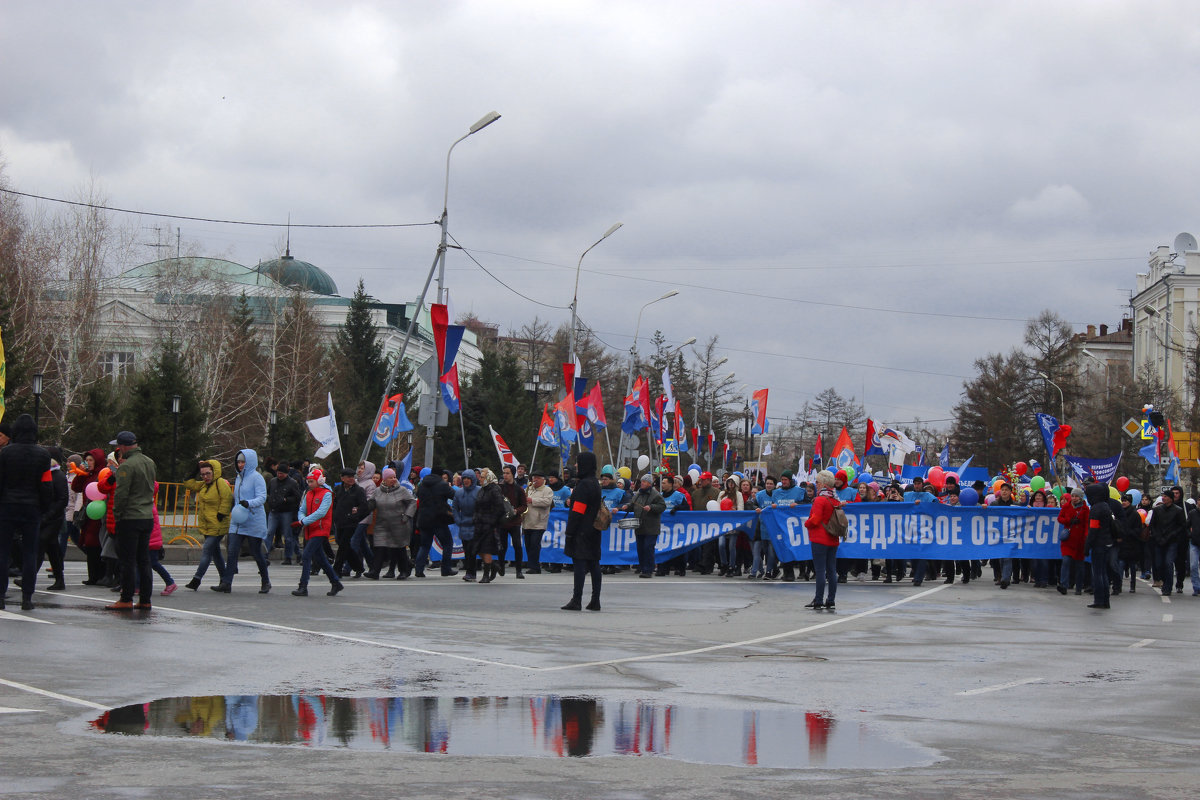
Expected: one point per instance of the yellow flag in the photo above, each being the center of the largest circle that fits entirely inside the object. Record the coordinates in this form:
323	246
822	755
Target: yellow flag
1	376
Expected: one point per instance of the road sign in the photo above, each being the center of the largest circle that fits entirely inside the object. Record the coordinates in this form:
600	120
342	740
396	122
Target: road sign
1147	429
670	448
1131	428
425	412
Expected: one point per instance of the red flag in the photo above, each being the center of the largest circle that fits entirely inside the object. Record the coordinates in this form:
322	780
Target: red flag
641	390
660	406
595	407
819	455
1170	440
568	376
439	319
843	443
758	405
1060	438
696	441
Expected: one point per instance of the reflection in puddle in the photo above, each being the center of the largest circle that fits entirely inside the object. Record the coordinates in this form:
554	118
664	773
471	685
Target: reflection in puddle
521	726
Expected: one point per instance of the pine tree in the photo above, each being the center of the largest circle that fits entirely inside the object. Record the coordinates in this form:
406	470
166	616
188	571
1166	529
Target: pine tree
148	414
360	368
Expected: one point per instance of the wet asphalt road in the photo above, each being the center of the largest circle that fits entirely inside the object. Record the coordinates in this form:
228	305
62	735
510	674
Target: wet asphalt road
960	691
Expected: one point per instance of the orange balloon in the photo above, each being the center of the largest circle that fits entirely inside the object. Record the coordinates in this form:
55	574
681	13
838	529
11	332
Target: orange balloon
104	475
996	487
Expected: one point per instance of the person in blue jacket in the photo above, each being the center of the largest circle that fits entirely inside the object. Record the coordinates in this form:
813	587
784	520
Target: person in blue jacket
464	517
610	491
250	495
788	494
561	492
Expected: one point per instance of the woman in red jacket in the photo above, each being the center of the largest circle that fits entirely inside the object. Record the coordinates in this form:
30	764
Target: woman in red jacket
824	544
1073	517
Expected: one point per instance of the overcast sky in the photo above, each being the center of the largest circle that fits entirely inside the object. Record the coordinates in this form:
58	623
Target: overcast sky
859	195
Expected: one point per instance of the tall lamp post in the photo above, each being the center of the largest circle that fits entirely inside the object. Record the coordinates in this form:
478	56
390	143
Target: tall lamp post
632	359
175	401
37	397
1061	400
272	421
575	297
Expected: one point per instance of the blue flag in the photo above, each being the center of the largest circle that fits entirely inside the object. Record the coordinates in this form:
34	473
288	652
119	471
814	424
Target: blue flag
1101	469
1172	475
1047	425
944	457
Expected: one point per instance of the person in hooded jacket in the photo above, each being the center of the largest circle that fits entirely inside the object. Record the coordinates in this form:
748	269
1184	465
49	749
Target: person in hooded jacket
582	541
1100	538
89	529
464	517
488	517
364	476
434	516
26	493
214	501
53	521
394	507
249	493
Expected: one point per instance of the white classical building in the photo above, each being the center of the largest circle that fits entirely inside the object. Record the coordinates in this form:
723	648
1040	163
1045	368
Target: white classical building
1164	308
134	306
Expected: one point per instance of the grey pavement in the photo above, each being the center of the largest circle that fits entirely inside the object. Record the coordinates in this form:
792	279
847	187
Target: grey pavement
724	688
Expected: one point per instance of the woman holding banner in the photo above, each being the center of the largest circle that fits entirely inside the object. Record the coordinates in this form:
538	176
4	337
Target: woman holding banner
824	544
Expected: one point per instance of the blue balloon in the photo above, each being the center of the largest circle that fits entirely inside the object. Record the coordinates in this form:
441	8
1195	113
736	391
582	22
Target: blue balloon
696	467
425	471
968	497
1136	494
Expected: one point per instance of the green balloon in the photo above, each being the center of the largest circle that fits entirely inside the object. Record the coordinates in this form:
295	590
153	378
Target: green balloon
96	509
1037	483
850	473
1058	492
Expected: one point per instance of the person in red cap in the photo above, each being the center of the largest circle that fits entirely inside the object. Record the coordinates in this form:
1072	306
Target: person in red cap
316	522
706	554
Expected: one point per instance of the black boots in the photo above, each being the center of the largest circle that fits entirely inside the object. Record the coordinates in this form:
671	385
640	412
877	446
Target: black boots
489	572
193	584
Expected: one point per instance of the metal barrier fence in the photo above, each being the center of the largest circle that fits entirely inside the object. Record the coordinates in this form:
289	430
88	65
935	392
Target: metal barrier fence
177	514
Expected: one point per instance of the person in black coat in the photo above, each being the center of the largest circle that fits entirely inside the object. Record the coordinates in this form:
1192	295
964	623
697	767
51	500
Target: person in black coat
26	492
1169	526
583	541
349	508
488	519
1101	537
1129	545
53	520
434	516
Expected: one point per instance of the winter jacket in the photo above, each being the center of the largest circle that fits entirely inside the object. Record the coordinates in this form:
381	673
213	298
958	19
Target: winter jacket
822	509
250	489
434	496
582	540
283	495
1167	524
134	497
89	529
538	503
464	506
1193	525
52	518
701	495
213	502
489	513
156	542
349	506
515	496
676	500
365	481
394	508
314	511
1100	519
1075	519
25	468
649	522
1130	548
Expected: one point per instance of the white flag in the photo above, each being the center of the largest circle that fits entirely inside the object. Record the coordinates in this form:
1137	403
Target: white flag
668	389
766	451
324	430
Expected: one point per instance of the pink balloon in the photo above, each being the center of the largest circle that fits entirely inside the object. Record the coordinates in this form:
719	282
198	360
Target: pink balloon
991	498
92	492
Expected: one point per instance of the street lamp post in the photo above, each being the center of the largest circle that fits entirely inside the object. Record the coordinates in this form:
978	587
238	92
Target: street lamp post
272	421
575	297
632	358
37	397
1061	400
175	401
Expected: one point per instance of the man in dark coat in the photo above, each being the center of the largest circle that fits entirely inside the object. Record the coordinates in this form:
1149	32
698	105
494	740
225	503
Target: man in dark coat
1100	538
434	516
1169	527
583	541
25	494
349	508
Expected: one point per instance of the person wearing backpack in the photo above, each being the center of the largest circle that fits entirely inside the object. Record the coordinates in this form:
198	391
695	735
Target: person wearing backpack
824	543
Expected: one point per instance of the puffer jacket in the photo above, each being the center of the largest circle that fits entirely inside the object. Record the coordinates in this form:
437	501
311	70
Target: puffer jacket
213	502
464	506
251	488
25	468
394	508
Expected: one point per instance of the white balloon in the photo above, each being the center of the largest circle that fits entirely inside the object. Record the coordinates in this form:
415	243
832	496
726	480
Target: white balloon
694	475
643	461
713	505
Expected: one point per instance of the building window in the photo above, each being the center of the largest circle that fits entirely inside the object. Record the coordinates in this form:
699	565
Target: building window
117	364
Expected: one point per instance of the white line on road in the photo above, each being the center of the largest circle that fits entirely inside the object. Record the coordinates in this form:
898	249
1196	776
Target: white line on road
6	710
23	618
1142	643
999	687
651	657
1168	617
53	695
1166	599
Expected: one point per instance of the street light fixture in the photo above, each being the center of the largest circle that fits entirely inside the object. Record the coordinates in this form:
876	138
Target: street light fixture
1061	400
37	397
575	297
176	400
632	356
272	421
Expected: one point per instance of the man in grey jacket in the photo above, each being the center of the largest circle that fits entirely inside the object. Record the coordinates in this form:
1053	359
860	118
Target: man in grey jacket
647	506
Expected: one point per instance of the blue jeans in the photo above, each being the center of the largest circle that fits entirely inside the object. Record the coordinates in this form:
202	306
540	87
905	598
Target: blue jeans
314	550
1164	557
21	522
1194	554
235	550
727	549
157	566
1064	574
825	565
210	551
645	552
764	560
279	523
361	544
442	534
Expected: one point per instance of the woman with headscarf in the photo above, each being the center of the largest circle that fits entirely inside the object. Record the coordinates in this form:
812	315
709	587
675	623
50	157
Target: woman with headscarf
489	513
394	507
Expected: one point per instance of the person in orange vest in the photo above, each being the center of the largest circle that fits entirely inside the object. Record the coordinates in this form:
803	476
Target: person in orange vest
316	522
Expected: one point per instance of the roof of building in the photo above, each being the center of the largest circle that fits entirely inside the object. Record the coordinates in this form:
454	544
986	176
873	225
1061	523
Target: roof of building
297	274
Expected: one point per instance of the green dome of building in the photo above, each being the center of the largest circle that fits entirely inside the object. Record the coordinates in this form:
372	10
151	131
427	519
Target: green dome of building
298	274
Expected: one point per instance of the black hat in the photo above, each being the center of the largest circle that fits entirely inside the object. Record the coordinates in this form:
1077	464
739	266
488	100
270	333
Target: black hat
538	473
347	471
124	438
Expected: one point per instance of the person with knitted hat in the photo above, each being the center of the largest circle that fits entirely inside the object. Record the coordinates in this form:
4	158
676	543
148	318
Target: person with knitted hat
315	521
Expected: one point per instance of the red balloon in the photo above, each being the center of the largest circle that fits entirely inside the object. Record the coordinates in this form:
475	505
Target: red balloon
726	504
1020	467
1122	484
937	477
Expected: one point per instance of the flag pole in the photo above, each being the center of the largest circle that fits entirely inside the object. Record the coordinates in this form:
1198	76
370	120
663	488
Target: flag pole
533	461
463	429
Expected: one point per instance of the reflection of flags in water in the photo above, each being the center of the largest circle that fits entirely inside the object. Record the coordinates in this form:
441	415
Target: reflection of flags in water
502	449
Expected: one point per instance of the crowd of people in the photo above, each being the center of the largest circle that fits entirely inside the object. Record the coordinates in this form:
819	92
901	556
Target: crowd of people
382	524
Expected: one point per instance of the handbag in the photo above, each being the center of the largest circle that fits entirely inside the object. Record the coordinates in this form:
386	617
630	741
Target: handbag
603	517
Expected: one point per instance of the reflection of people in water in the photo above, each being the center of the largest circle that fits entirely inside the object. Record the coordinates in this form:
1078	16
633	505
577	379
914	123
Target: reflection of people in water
199	715
241	716
819	725
580	716
129	720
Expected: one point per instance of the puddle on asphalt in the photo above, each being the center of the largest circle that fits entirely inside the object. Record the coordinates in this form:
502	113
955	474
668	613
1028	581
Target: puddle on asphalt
548	726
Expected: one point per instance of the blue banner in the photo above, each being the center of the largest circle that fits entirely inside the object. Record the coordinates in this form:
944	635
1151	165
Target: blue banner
877	530
1102	469
924	531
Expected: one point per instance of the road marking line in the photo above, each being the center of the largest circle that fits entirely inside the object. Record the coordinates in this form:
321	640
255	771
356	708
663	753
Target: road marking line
1142	643
7	710
1168	617
999	687
53	695
607	662
24	617
1165	599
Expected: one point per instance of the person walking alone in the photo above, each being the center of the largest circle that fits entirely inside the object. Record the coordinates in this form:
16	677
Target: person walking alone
583	541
